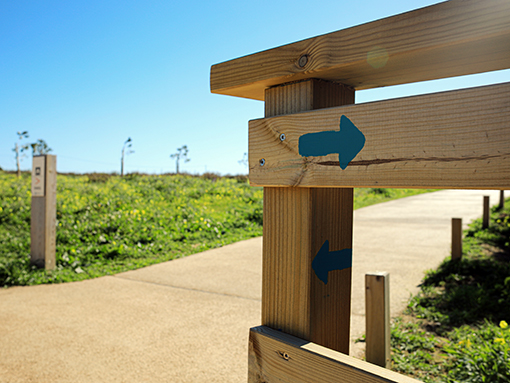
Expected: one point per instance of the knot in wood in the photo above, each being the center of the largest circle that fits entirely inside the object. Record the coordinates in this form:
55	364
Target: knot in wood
303	60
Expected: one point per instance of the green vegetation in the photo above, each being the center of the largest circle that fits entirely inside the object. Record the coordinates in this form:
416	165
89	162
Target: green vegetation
372	196
456	328
109	224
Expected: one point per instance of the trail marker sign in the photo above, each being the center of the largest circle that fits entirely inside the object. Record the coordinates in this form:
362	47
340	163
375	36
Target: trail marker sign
43	217
38	176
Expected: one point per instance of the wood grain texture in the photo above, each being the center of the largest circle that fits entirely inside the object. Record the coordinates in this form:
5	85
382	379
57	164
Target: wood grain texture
306	95
278	357
44	219
377	310
452	38
296	223
456	139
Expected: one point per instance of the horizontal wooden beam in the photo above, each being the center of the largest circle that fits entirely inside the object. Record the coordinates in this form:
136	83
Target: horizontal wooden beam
452	38
456	139
277	357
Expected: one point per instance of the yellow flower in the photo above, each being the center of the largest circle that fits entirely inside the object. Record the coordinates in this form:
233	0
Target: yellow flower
503	324
499	340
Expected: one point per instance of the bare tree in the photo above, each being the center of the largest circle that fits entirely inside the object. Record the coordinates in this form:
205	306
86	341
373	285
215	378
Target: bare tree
244	161
182	152
19	149
126	145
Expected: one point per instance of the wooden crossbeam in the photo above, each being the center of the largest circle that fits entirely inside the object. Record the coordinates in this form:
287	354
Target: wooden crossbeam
456	139
452	38
277	357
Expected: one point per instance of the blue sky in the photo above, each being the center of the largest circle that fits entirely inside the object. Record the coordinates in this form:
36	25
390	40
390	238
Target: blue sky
86	75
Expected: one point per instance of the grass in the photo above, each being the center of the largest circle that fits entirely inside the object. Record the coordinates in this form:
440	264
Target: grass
456	328
107	224
372	196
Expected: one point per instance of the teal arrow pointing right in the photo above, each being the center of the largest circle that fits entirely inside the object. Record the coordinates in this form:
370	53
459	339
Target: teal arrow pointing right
347	142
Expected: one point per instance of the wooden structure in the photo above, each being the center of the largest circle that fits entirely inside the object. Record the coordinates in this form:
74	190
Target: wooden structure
314	145
456	238
486	217
44	211
377	313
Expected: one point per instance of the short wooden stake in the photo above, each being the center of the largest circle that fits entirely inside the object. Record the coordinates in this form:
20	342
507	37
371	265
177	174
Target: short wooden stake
44	211
456	238
501	199
377	309
486	212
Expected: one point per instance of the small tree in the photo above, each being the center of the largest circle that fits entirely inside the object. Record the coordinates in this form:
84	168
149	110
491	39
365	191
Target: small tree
126	145
40	147
182	152
19	149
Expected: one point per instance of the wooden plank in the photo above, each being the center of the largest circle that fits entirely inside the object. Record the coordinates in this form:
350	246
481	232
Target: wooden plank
457	238
278	357
377	311
452	38
297	222
456	139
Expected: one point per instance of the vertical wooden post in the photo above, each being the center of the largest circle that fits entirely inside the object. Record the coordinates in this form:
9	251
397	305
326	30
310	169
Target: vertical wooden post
486	212
501	199
377	310
297	222
44	211
456	238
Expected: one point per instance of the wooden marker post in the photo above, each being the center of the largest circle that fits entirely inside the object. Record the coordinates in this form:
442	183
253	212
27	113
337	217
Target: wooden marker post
377	311
486	212
457	238
303	226
44	211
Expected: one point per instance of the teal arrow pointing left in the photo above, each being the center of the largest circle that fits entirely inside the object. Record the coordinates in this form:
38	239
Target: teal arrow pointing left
347	142
326	261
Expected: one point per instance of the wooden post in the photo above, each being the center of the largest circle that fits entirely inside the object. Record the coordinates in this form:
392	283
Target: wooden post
486	212
44	211
377	310
501	199
456	238
297	224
